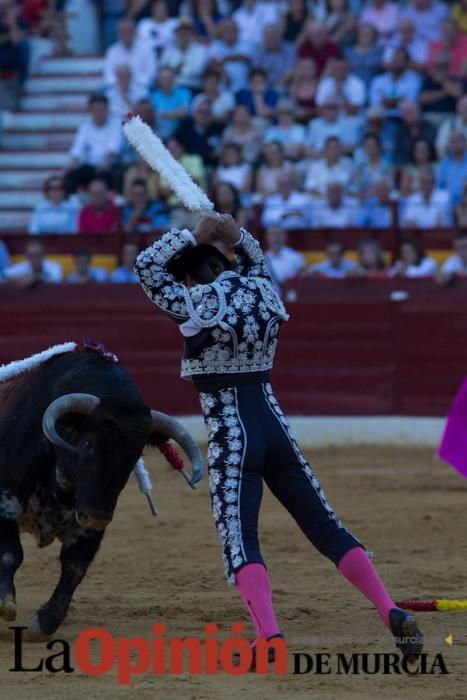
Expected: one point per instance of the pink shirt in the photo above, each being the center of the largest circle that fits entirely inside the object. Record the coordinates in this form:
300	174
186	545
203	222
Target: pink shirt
458	53
384	19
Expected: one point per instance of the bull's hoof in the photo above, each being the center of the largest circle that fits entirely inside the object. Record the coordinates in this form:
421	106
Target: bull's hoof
34	633
8	608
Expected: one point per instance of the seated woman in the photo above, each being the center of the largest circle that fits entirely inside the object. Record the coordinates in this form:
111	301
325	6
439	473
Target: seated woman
422	156
372	167
273	165
56	214
226	200
371	261
233	169
258	97
244	132
413	262
303	89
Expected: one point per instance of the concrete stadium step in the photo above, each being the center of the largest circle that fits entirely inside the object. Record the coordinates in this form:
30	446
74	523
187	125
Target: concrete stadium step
72	66
25	179
62	84
24	141
39	121
20	199
34	159
75	102
14	220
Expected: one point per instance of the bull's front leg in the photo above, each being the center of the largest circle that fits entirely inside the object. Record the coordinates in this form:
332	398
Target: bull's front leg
11	557
77	553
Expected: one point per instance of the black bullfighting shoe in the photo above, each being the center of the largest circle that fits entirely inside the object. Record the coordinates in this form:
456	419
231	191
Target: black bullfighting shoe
407	636
271	654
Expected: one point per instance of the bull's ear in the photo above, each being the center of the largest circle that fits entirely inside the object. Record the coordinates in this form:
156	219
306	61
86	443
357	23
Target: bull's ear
155	439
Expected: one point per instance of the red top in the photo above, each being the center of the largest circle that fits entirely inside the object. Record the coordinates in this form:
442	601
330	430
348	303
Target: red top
105	220
319	56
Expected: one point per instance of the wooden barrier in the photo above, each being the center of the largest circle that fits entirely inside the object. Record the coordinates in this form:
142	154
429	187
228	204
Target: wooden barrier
347	349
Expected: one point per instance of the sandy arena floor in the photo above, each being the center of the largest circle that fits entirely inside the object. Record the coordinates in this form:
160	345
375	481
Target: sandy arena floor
405	505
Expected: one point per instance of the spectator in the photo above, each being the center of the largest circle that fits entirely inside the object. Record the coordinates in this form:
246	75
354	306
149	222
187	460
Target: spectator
371	261
334	167
410	129
376	212
140	214
399	83
56	214
294	20
453	44
335	265
258	97
230	56
100	215
318	46
252	17
427	17
96	145
200	134
342	86
286	132
422	156
141	171
4	260
158	30
244	132
84	273
14	45
456	264
226	200
303	88
206	17
287	208
276	57
338	210
461	209
365	58
372	168
377	125
45	18
124	93
459	15
428	207
274	164
170	102
187	56
340	22
332	125
383	16
222	100
35	268
413	262
452	170
285	262
233	169
406	37
111	13
440	91
454	123
125	273
129	51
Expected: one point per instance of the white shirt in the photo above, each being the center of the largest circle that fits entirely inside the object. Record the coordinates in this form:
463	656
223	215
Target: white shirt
426	268
417	49
157	35
237	71
189	64
353	88
325	216
347	129
51	271
48	217
286	263
293	212
454	265
319	174
453	124
437	212
93	143
236	175
386	85
139	57
120	104
251	24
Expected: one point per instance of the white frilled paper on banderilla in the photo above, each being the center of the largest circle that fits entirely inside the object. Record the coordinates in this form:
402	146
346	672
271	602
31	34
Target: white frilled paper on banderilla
156	155
144	483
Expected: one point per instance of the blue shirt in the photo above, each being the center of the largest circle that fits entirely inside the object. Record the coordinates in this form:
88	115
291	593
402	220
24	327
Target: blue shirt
451	176
4	258
156	215
406	87
48	217
375	215
123	276
161	102
96	274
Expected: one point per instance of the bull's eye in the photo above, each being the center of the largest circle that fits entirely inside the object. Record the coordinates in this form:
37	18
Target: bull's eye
88	446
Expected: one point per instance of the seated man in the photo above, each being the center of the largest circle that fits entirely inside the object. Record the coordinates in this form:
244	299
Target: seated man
140	214
377	211
231	57
100	215
338	210
335	264
130	51
334	167
35	268
84	273
440	90
399	83
170	102
187	56
428	207
287	207
283	261
452	169
125	274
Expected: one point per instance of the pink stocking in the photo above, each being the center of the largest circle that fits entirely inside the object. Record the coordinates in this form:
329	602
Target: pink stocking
255	588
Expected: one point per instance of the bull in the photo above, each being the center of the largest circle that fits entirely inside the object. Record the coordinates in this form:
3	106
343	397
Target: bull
71	431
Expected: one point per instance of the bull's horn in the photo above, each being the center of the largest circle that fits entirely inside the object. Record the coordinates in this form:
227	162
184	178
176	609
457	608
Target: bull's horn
162	423
69	403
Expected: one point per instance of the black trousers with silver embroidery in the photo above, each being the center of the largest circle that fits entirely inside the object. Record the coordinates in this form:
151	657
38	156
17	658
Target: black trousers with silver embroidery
250	441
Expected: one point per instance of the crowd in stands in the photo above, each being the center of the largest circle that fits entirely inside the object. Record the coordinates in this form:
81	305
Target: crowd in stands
291	114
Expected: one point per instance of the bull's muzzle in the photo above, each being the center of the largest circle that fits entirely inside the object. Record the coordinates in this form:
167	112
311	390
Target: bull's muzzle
91	522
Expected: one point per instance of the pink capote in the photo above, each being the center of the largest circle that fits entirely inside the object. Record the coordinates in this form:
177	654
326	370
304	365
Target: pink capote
453	446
